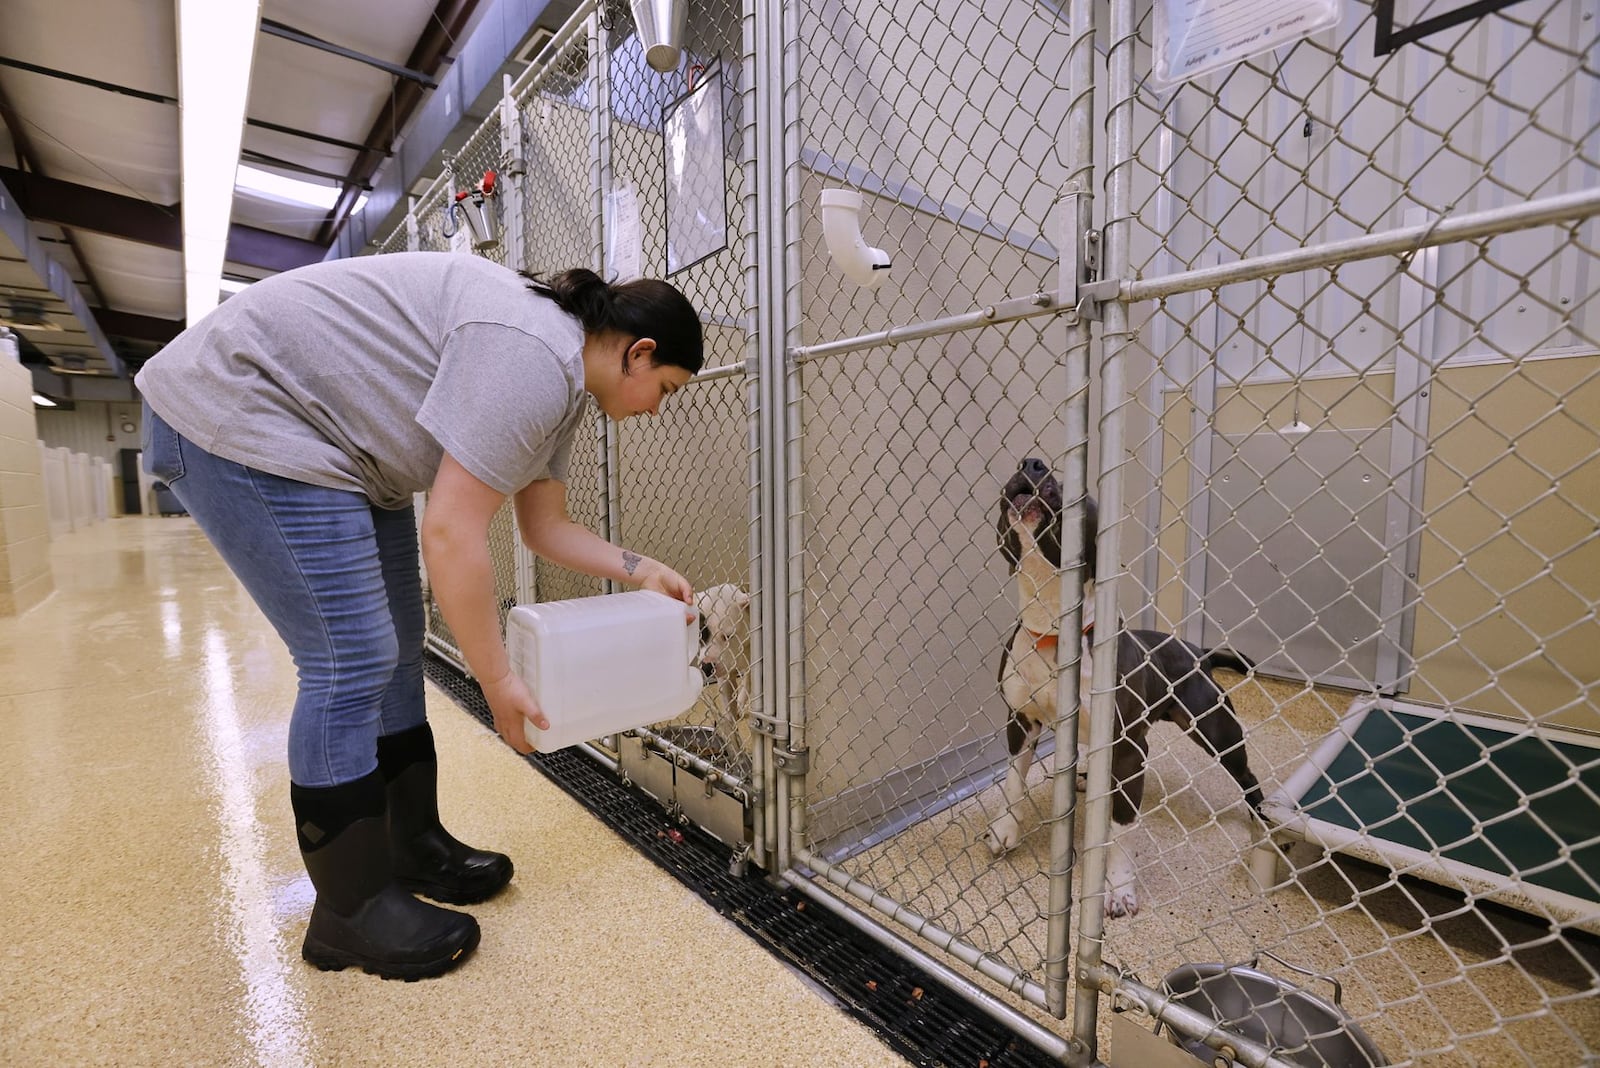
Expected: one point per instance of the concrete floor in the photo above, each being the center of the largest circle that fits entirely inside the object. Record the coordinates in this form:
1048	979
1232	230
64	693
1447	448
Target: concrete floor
154	901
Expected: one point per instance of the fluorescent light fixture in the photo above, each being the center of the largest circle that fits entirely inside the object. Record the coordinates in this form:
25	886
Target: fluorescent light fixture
234	285
216	51
42	401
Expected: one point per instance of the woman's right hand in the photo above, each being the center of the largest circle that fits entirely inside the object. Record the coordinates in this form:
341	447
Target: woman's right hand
511	703
663	579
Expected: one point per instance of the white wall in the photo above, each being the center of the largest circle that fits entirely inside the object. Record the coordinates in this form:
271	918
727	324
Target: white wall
93	427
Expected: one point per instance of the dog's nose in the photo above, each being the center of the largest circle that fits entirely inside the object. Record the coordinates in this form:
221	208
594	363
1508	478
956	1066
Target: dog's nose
708	670
1035	470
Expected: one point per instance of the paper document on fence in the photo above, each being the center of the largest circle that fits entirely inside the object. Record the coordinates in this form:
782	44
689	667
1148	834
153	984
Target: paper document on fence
1195	37
623	241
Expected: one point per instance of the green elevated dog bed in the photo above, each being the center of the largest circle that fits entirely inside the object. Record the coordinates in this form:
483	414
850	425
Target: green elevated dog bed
1499	809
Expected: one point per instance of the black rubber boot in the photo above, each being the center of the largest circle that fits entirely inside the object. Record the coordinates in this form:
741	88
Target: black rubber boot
427	858
362	917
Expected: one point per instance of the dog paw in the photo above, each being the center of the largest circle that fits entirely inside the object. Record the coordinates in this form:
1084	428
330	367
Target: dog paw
1121	897
1003	835
1122	903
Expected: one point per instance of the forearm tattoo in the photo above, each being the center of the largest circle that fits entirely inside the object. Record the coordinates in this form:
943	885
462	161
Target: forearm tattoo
631	561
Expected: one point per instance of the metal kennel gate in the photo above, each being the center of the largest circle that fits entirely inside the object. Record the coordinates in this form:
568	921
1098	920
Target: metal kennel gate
1350	374
911	405
1321	325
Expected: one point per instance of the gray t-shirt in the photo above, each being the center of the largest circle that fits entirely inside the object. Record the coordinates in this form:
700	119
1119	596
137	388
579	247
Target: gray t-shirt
361	373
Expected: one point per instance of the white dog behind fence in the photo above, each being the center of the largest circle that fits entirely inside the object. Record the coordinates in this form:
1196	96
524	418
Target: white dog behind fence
725	647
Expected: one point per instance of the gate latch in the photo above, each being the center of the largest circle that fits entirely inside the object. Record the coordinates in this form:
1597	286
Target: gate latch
792	761
1092	294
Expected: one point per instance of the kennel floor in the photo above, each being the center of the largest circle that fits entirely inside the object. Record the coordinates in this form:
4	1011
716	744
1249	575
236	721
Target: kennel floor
1432	979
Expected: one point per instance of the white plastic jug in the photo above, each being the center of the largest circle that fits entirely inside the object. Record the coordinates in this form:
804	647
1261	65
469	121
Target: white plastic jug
599	665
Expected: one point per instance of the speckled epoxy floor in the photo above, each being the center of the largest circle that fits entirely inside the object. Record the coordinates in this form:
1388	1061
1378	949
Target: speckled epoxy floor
154	902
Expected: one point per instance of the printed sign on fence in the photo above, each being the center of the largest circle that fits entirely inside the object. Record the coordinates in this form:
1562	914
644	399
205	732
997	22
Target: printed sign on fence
1195	37
623	235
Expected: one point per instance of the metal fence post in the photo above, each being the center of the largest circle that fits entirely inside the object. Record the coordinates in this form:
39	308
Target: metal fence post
1113	400
1077	267
782	604
510	190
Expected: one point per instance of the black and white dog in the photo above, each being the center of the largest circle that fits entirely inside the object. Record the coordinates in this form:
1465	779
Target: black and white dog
1159	676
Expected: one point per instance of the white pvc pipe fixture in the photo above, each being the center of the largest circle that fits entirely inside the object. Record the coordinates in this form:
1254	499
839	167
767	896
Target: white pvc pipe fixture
841	229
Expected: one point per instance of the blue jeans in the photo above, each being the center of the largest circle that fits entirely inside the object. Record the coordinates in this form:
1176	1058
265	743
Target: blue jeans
338	579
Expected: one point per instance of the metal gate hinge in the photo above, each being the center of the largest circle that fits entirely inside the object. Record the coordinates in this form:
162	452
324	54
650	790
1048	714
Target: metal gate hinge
792	761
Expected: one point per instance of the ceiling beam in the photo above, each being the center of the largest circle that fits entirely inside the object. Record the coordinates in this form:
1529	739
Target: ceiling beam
445	25
65	203
146	222
289	33
138	327
270	251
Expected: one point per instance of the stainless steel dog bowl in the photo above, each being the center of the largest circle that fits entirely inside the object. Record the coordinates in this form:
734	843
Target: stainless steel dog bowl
1295	1025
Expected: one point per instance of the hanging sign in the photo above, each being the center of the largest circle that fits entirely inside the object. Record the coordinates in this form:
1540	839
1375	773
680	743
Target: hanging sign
1195	37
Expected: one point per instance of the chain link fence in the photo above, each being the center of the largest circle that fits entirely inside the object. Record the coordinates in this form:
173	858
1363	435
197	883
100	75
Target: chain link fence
1375	477
918	400
582	180
1316	329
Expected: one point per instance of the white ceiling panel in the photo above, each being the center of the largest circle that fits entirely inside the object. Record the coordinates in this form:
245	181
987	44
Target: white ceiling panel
385	29
129	42
297	220
92	137
17	278
329	159
307	89
134	277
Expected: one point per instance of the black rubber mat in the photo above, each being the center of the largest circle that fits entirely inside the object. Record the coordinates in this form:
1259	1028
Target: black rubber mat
914	1013
1524	804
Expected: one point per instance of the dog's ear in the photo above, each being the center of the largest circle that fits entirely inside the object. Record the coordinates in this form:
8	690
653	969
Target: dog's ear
1010	544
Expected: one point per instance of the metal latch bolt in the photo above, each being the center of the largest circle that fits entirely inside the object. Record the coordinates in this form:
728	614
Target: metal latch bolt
791	761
